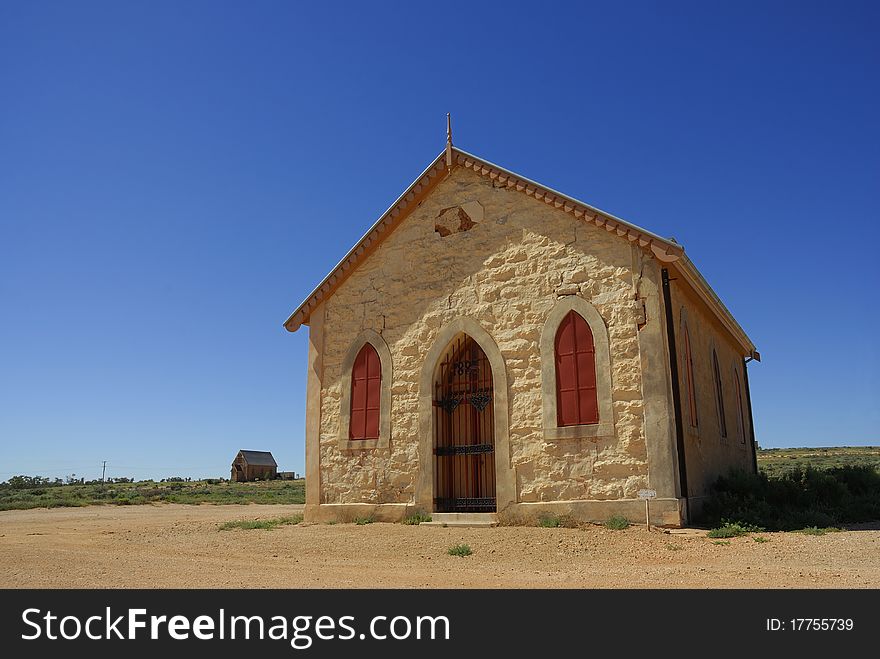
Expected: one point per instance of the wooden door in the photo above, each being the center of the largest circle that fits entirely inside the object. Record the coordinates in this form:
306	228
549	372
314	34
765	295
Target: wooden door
464	430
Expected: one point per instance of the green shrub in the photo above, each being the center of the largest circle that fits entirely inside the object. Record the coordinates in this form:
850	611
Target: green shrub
796	499
266	524
816	530
550	521
121	492
361	521
732	530
459	550
247	524
760	539
617	523
721	542
417	518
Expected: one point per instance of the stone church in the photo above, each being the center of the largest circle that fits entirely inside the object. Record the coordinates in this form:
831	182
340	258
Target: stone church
493	346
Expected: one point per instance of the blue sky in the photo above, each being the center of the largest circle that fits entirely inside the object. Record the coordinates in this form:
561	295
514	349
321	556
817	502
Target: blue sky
176	176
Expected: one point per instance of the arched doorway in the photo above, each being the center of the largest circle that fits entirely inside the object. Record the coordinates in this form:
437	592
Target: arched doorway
464	429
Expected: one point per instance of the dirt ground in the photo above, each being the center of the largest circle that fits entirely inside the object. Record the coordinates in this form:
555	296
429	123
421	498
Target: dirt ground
171	546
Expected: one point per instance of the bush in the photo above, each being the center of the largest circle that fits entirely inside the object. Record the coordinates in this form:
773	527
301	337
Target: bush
732	530
267	524
417	518
27	482
361	521
459	550
815	530
796	499
549	521
617	523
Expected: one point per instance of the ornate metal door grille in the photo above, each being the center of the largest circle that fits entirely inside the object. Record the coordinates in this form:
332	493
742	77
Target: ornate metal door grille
464	430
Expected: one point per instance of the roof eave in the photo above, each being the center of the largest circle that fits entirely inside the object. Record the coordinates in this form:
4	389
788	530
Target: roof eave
665	249
666	242
706	293
293	323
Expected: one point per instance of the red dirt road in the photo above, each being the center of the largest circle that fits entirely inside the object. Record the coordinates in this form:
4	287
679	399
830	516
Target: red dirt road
177	546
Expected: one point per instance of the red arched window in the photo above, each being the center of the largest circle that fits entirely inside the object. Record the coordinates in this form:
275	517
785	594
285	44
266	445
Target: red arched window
366	382
740	425
689	374
719	395
576	401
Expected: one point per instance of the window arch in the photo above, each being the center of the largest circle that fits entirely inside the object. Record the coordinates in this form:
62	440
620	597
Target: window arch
365	396
740	422
366	392
576	400
719	395
693	416
576	372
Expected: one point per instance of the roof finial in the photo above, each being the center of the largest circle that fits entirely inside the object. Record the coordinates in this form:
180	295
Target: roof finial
448	141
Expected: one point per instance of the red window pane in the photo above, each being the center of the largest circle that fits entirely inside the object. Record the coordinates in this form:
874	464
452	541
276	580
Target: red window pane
740	420
371	424
566	372
568	408
358	424
719	395
358	393
366	386
588	405
576	400
565	338
689	374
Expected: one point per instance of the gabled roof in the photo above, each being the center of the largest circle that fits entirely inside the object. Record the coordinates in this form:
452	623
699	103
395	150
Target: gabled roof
666	250
259	458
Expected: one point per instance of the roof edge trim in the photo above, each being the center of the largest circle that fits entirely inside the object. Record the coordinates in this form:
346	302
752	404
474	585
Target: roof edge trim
663	248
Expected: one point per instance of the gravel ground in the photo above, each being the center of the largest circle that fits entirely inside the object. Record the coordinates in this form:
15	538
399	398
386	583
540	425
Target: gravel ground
177	546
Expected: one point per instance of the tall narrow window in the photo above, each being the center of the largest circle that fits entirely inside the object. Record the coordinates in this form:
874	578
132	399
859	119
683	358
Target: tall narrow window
740	422
689	374
719	395
366	384
576	400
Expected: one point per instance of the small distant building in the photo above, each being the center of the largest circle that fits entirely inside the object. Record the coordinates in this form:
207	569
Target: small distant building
287	475
253	465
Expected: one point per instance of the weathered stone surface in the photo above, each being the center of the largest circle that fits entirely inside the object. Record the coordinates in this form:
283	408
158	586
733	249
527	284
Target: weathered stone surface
709	452
506	276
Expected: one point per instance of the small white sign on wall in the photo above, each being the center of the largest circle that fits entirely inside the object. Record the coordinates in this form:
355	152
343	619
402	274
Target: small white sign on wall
647	494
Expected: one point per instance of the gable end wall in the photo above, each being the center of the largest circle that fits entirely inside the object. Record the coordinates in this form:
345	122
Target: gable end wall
506	272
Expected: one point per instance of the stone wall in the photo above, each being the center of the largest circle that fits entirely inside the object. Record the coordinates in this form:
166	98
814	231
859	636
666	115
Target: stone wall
708	454
503	259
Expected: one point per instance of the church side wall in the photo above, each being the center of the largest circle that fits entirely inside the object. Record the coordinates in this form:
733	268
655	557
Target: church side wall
708	453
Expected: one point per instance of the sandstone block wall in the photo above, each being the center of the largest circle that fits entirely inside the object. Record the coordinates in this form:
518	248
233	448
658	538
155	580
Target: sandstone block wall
708	454
504	260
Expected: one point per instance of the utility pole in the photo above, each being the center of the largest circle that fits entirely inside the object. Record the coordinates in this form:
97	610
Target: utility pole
103	470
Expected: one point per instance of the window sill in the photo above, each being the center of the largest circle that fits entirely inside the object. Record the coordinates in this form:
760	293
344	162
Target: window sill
362	444
594	430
